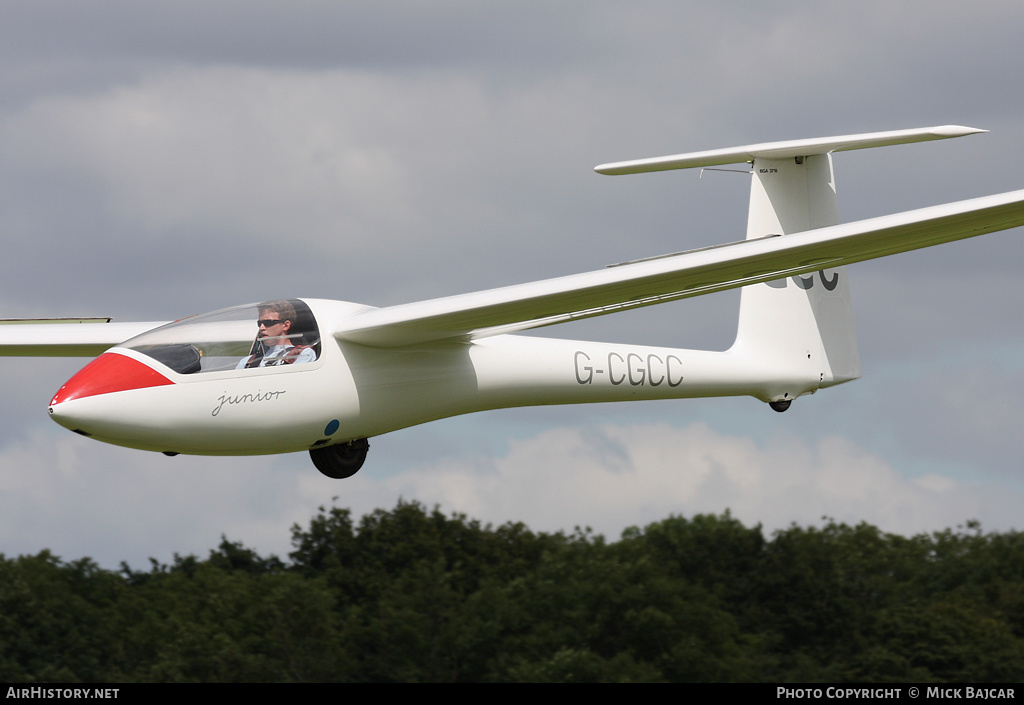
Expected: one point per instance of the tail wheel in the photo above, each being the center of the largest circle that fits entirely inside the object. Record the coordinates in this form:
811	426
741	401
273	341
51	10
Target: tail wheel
340	461
779	406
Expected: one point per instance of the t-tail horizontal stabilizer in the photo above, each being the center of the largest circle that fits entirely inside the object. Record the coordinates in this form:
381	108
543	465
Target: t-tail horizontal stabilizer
789	149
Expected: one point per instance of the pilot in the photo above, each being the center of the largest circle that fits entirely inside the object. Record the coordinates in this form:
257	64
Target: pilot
273	344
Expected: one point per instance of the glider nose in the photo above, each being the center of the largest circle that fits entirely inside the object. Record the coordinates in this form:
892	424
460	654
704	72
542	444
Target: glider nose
71	406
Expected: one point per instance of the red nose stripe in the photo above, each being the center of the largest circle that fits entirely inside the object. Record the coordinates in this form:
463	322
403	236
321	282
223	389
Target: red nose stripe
110	372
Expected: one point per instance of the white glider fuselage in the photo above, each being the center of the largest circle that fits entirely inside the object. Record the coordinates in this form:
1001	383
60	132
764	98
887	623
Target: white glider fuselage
356	391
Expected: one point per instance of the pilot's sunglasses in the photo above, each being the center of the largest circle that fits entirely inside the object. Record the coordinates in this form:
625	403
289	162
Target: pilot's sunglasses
267	322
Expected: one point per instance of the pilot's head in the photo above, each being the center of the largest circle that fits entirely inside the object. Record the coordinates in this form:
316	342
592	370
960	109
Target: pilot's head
275	321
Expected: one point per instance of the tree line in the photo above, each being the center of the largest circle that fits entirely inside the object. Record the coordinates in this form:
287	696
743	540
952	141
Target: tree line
413	594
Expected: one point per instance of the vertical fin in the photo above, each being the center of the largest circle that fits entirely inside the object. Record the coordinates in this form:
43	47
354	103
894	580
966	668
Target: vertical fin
802	325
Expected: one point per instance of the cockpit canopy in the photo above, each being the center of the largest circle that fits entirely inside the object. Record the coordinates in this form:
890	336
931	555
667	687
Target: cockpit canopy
232	339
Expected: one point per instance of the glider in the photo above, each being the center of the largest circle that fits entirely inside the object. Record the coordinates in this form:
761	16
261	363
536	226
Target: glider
324	376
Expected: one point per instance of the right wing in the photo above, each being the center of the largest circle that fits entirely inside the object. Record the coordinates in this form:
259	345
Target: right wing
677	276
66	337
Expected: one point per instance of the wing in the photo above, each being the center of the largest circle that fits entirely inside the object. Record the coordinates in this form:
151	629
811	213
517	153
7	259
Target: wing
677	276
66	337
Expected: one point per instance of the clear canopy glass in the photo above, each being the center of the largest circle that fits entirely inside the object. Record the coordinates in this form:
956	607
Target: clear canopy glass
233	339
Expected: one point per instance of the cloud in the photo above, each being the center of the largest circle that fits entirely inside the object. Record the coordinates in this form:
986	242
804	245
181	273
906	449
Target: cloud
615	476
201	170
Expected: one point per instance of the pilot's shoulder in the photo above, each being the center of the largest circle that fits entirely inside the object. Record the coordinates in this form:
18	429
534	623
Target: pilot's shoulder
300	353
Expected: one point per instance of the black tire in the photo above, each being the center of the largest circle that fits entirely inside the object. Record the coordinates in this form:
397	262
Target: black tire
340	461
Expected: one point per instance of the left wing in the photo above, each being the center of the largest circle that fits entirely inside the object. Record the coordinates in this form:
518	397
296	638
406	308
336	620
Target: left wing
66	337
632	285
678	276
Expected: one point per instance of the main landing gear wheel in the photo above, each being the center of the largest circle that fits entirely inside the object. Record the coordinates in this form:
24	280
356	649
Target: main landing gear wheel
340	461
779	406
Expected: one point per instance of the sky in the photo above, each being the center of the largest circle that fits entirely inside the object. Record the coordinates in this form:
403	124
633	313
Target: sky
162	159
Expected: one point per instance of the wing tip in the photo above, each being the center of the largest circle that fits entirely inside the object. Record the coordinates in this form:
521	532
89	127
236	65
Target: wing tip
956	130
